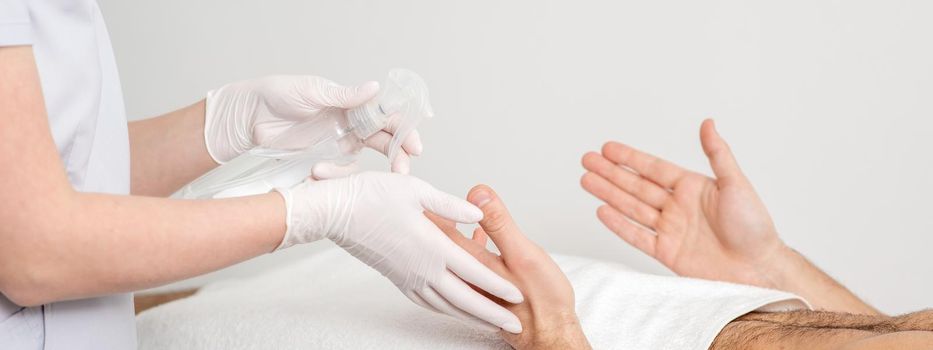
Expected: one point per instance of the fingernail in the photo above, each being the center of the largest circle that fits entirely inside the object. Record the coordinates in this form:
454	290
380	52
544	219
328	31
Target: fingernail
481	198
512	327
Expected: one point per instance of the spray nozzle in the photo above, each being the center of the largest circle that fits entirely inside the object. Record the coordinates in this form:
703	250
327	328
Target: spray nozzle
402	99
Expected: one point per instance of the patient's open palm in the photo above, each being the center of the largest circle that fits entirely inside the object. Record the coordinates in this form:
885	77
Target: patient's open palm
695	225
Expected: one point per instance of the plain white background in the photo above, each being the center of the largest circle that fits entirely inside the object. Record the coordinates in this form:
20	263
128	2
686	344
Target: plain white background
826	103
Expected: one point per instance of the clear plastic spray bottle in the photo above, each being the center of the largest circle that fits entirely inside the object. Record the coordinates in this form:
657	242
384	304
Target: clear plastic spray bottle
337	136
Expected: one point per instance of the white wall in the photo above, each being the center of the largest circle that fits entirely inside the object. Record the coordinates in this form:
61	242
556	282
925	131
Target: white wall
826	103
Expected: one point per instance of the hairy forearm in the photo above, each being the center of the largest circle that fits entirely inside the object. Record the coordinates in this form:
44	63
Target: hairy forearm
550	331
826	330
168	151
94	244
916	321
792	272
558	341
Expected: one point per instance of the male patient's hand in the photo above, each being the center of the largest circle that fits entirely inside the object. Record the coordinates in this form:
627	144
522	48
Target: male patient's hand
548	317
712	228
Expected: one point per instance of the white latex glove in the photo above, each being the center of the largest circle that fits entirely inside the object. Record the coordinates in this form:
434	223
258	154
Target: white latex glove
379	218
249	113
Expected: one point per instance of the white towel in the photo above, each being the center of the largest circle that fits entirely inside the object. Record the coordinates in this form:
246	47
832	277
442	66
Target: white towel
331	301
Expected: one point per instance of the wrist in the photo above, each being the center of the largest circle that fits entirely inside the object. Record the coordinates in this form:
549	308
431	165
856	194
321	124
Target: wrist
793	273
310	212
286	197
778	270
559	331
571	338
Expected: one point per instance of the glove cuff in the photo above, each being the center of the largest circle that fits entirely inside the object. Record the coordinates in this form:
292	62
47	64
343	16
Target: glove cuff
289	227
209	120
306	217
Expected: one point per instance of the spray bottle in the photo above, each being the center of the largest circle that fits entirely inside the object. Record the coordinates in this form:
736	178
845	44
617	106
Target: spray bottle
337	136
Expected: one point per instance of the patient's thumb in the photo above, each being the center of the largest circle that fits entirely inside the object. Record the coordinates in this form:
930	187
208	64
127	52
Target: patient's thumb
496	222
719	154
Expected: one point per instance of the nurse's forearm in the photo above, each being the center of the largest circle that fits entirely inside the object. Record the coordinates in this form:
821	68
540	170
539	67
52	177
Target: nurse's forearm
57	243
168	151
94	244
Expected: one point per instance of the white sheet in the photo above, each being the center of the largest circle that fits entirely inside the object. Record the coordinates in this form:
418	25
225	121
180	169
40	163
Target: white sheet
331	301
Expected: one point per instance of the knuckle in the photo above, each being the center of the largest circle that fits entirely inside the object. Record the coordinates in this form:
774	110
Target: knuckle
626	181
495	220
624	200
649	215
526	263
641	187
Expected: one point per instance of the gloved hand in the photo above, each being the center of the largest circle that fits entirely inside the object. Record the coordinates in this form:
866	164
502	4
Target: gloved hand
245	114
379	218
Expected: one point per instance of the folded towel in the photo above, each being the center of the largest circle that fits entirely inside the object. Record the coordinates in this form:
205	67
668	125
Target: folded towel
331	301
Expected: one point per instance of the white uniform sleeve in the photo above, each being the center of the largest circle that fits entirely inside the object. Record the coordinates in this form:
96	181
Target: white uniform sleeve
15	26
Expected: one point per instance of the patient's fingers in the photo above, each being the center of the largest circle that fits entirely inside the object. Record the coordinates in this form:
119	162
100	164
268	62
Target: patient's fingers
497	222
468	270
471	270
644	190
653	168
448	226
635	235
478	247
619	199
466	265
442	306
720	155
480	237
465	298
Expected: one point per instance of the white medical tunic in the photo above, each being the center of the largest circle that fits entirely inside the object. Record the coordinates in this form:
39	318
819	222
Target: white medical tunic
85	110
